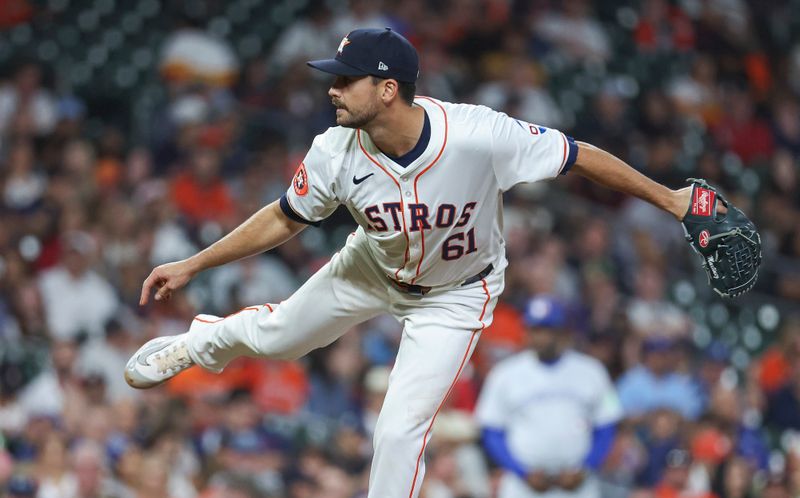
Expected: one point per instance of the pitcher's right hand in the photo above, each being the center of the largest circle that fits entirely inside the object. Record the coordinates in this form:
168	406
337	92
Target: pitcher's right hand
165	279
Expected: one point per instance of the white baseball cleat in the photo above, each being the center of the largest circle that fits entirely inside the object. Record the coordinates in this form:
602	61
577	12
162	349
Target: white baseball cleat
157	361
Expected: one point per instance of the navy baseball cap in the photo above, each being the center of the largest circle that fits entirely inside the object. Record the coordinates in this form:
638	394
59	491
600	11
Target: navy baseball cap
545	311
377	52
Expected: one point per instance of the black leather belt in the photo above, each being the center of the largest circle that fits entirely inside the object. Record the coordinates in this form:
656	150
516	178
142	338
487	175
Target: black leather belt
421	290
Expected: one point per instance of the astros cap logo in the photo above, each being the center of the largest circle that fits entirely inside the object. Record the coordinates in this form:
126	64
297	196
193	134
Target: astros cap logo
345	42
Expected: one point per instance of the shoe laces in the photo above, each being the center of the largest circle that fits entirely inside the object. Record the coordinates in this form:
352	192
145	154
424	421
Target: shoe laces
173	358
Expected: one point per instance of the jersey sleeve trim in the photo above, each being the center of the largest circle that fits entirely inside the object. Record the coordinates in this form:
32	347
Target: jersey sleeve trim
570	153
292	214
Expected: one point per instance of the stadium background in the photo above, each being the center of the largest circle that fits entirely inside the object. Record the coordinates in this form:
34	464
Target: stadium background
134	133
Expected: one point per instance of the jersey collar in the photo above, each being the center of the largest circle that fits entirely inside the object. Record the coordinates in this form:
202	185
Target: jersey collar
432	153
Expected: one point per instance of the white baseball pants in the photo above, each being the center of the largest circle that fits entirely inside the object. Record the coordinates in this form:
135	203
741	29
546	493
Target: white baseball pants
440	331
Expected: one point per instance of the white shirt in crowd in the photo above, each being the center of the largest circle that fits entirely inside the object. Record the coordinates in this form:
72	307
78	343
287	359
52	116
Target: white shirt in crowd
548	411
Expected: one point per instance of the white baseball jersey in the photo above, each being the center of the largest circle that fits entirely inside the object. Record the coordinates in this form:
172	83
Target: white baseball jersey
548	411
437	221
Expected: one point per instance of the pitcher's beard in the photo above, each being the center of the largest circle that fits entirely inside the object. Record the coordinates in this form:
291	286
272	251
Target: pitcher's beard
350	119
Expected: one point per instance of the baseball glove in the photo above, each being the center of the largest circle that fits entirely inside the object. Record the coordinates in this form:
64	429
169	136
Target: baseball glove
728	244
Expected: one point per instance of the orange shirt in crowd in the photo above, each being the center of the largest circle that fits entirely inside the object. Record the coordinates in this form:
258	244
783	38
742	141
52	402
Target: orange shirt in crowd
773	370
506	335
202	202
277	386
199	383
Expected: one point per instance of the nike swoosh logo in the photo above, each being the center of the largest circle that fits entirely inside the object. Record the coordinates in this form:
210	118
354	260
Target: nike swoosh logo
150	350
359	180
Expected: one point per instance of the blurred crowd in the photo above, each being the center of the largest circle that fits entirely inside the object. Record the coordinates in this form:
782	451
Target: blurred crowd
684	88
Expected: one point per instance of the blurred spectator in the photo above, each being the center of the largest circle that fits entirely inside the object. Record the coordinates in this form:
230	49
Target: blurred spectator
574	33
440	74
710	446
21	486
361	14
527	427
170	239
738	425
26	107
333	373
108	169
247	446
233	486
657	117
625	461
52	470
91	476
376	383
775	488
458	466
656	384
48	394
735	480
24	185
777	363
106	357
153	478
350	449
744	132
199	193
695	96
648	234
661	435
714	369
309	37
603	302
786	124
30	320
67	288
676	482
261	278
663	27
649	313
546	271
77	166
190	55
594	247
122	241
500	340
609	125
783	410
12	417
521	95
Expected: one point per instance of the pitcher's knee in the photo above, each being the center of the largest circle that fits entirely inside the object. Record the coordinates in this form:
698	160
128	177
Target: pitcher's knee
397	438
283	355
282	345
